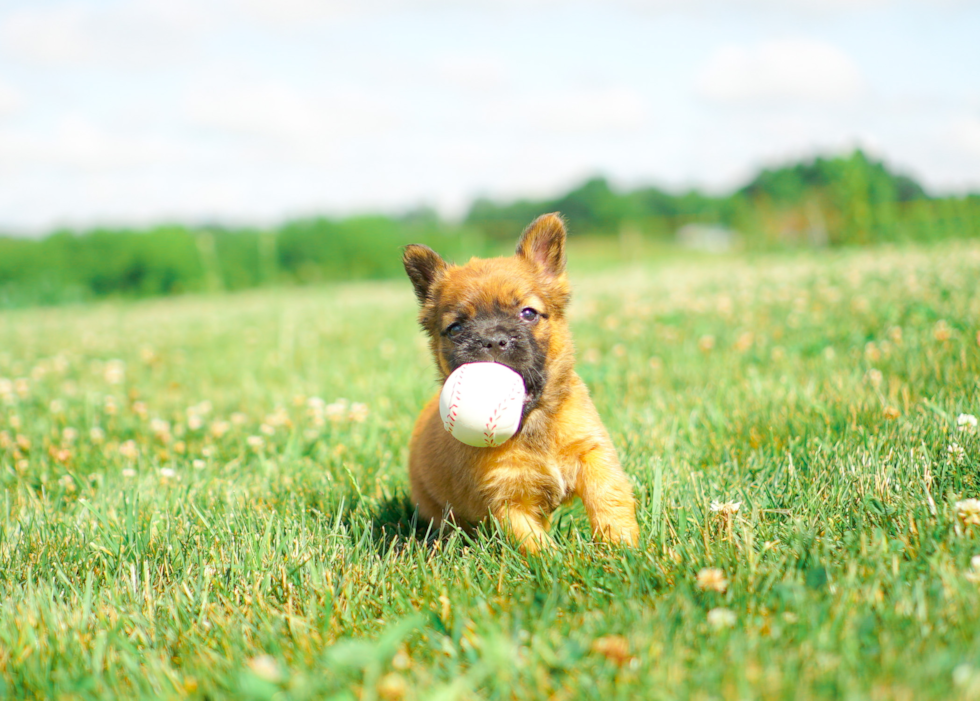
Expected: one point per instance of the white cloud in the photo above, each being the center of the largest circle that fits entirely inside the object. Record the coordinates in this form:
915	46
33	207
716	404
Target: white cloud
572	111
75	143
783	70
268	110
304	11
11	100
472	72
307	123
133	33
964	133
299	12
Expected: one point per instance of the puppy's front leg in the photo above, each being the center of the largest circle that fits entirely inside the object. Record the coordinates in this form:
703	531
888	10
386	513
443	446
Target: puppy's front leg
526	528
608	496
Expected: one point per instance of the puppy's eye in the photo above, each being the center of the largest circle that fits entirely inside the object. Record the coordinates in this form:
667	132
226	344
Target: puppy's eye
528	314
454	329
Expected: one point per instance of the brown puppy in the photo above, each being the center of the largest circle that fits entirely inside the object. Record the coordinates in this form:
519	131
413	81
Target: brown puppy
512	311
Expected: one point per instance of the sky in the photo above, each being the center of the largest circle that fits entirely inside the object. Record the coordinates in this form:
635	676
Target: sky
256	111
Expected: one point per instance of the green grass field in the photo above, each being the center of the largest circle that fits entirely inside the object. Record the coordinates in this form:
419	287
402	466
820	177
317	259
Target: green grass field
205	497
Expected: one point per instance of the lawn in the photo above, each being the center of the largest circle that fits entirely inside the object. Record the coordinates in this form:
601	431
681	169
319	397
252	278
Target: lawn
205	497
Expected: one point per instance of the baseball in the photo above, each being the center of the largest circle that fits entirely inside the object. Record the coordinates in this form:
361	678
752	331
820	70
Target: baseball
481	404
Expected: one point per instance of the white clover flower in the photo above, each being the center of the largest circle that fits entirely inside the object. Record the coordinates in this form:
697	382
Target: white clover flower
968	511
726	508
114	372
129	450
336	411
316	410
280	417
964	676
168	472
255	442
712	579
96	434
358	412
719	618
266	668
966	422
956	453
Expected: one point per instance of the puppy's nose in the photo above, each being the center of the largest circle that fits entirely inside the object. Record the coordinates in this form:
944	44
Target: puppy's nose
497	342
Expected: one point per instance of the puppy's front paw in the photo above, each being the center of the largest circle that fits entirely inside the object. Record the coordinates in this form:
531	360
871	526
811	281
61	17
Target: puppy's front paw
619	531
527	530
629	536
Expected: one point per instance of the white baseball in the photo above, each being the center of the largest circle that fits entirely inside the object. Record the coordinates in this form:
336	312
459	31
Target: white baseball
481	404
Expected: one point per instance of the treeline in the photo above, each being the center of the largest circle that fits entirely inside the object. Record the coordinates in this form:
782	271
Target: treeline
163	260
850	200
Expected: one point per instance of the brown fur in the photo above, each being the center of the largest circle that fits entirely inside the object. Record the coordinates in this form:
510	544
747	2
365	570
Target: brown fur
562	449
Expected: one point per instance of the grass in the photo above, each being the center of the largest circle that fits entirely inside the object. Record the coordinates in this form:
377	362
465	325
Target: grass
181	517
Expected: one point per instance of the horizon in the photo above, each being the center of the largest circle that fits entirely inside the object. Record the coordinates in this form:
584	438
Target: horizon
401	213
150	112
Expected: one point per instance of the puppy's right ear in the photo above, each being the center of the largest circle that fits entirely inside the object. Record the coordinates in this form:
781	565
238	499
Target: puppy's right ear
423	266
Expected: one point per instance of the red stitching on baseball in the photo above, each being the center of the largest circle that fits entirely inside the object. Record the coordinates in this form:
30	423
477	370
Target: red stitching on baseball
491	424
454	402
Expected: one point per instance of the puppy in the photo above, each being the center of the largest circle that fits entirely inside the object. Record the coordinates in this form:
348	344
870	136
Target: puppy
512	311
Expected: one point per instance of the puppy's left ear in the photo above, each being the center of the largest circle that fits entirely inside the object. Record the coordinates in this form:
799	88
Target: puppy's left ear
423	266
543	242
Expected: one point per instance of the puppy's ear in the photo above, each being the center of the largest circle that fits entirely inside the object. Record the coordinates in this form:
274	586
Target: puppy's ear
423	266
543	242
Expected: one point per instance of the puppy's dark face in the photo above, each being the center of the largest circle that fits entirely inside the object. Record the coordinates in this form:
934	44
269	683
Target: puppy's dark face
503	310
491	311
